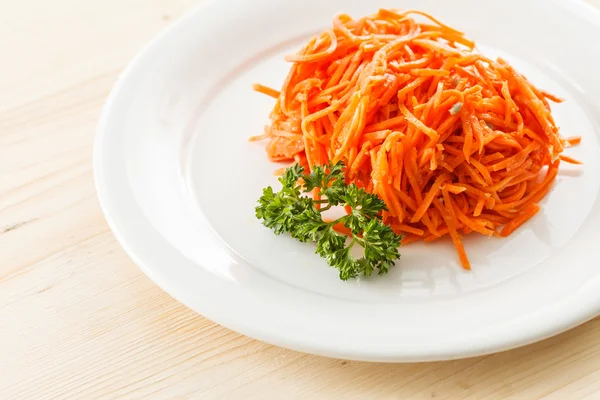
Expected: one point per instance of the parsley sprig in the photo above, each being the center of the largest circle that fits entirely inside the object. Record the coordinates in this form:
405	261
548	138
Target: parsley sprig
289	211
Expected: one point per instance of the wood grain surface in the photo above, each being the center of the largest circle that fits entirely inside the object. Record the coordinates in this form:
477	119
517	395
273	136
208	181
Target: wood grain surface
78	320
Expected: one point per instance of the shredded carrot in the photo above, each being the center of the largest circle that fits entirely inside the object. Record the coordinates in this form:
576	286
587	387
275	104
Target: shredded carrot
266	90
452	141
341	228
525	215
573	140
569	160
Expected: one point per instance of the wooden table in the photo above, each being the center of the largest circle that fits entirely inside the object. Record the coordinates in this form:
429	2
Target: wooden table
78	320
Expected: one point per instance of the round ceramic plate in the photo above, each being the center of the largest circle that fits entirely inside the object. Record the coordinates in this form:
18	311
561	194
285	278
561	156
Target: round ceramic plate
178	182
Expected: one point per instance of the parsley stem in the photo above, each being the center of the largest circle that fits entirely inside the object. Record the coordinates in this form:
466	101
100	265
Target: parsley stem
327	207
352	242
360	241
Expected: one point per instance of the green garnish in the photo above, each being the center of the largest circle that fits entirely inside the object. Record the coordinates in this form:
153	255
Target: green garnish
288	211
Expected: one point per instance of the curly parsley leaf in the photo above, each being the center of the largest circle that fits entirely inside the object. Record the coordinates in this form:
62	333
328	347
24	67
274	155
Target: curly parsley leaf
288	211
329	180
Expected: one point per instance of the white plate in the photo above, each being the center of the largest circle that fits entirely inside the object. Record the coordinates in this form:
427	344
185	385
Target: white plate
175	129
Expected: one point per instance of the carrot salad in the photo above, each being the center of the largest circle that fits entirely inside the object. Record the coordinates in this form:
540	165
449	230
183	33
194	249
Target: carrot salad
452	141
